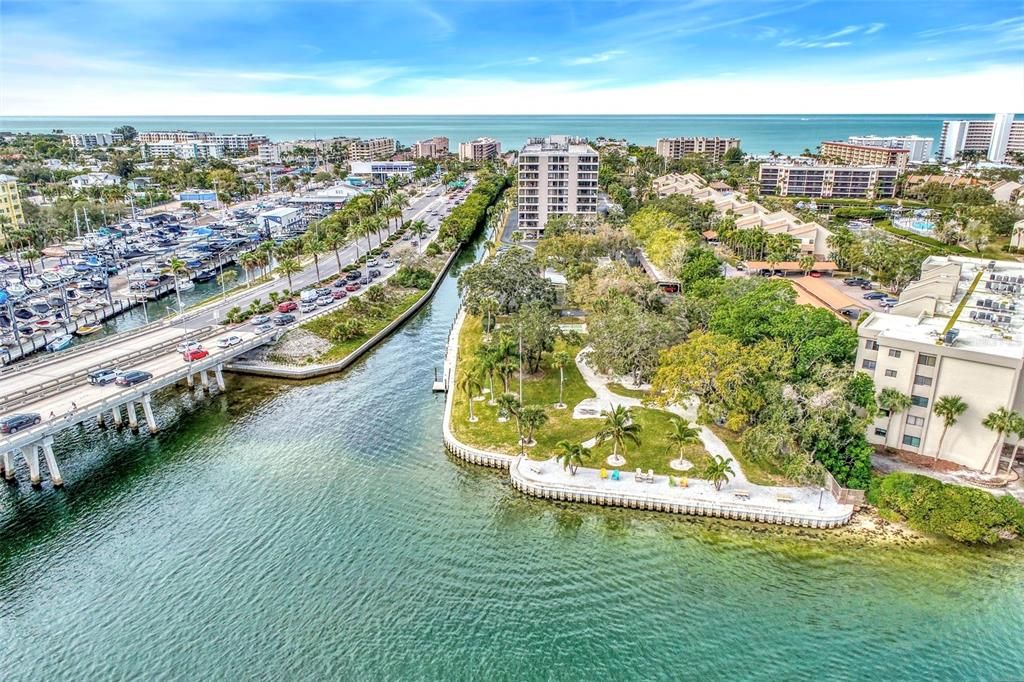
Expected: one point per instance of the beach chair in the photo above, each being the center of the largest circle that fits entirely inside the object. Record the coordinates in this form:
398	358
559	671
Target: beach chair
684	482
650	475
615	474
604	473
639	475
671	481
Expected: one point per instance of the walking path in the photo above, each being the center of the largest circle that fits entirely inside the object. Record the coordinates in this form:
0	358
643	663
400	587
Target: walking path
606	399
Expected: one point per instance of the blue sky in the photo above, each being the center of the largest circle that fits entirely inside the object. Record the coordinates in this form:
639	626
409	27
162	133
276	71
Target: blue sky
221	57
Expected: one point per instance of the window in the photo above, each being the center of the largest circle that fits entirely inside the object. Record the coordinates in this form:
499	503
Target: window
912	441
919	400
880	432
926	360
868	364
890	373
871	344
893	353
922	381
914	421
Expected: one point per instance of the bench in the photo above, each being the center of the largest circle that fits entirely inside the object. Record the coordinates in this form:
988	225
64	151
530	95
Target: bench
784	497
742	494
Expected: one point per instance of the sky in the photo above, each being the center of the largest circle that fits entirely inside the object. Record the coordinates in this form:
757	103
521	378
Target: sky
375	57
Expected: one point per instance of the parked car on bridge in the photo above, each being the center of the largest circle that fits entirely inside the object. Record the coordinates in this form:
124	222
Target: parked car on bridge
287	307
132	377
194	354
230	340
101	377
16	422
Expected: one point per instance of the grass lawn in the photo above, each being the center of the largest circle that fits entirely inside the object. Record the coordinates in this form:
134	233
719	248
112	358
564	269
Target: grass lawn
619	389
542	389
756	472
339	349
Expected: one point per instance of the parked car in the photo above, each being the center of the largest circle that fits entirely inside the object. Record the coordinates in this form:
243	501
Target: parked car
815	273
338	294
307	306
16	422
188	345
194	354
324	301
352	286
855	281
260	319
353	276
101	377
364	280
323	291
867	286
390	263
230	340
283	319
874	295
889	301
375	273
339	283
373	262
287	306
132	377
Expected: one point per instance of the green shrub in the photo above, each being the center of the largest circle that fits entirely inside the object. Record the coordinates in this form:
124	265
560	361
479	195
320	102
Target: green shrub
413	277
432	249
967	515
348	268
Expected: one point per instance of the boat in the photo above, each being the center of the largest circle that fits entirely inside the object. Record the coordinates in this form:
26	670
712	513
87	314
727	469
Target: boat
51	278
24	314
45	323
60	343
16	289
87	329
67	272
73	295
205	276
39	306
34	283
185	285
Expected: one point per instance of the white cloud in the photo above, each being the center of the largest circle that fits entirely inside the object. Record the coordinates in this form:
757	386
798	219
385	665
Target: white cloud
874	28
595	58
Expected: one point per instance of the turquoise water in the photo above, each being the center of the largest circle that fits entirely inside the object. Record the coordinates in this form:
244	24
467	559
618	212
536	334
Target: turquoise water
314	531
759	134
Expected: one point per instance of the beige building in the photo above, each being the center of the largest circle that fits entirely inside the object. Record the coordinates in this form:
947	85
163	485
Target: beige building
748	215
10	203
433	148
378	148
958	330
848	154
714	148
557	175
480	149
825	181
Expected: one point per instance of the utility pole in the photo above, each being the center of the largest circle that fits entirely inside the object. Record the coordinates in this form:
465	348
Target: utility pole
520	366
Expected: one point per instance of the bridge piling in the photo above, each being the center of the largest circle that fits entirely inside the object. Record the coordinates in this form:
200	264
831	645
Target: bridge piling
118	419
8	464
190	379
147	410
99	421
218	373
204	377
51	462
133	417
31	455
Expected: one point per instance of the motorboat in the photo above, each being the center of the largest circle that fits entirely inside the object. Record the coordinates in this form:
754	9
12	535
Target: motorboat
55	300
87	329
185	285
50	278
67	272
16	289
24	315
45	323
39	306
205	276
73	295
60	343
34	283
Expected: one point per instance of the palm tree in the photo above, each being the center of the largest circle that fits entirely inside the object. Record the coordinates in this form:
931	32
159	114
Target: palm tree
893	402
1001	421
314	246
718	470
680	435
288	267
224	279
948	408
420	229
532	418
509	405
806	264
1017	429
176	267
572	455
489	309
488	364
618	428
559	359
469	384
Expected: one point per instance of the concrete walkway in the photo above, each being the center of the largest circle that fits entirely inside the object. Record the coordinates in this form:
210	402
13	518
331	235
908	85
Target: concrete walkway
606	399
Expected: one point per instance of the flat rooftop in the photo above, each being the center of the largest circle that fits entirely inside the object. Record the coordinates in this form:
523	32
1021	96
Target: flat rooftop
557	143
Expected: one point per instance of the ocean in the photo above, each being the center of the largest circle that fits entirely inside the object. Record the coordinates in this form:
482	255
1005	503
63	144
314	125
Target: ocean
759	134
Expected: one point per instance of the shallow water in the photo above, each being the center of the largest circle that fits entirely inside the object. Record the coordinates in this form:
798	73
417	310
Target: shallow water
310	530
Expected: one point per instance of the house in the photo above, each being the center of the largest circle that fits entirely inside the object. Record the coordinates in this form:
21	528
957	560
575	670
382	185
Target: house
94	180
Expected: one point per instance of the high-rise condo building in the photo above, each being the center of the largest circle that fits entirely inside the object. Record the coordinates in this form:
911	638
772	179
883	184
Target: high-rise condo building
995	139
822	181
713	148
919	148
557	176
480	149
864	155
433	148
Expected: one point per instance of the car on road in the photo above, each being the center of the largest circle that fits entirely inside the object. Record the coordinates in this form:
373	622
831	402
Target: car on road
339	283
874	295
132	377
375	273
353	276
16	422
283	319
194	354
338	294
407	236
230	340
390	263
265	327
307	306
260	319
352	286
188	345
324	301
385	254
372	263
101	377
364	280
287	306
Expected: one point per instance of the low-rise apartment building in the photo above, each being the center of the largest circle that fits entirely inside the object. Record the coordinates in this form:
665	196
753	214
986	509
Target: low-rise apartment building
557	176
183	150
849	154
91	140
480	149
233	143
825	181
958	330
918	148
171	136
371	150
713	148
10	203
432	148
748	215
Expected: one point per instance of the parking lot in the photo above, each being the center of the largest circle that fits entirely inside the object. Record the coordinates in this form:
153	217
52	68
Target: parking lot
855	292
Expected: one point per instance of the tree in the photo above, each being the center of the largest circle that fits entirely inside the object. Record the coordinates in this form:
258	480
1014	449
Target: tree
718	471
512	279
948	408
680	435
559	360
626	339
534	329
618	428
532	417
572	455
177	266
893	402
698	265
469	383
509	405
977	233
128	132
806	264
288	267
1017	429
1002	421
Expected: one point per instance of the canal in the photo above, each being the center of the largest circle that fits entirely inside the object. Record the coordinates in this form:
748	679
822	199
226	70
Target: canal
312	531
